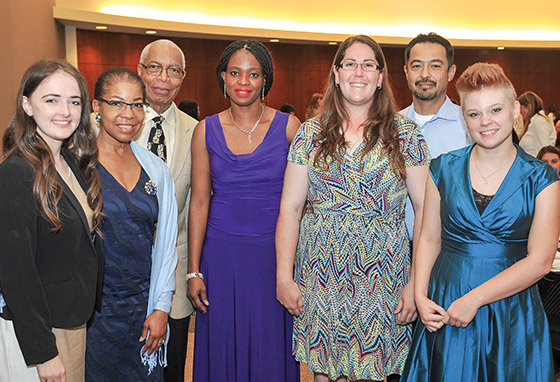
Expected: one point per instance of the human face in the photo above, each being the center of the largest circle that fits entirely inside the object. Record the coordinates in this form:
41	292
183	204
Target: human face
553	160
525	111
358	86
243	78
123	125
161	89
428	72
56	107
490	116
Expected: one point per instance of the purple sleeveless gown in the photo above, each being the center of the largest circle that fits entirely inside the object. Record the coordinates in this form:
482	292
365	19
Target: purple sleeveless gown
246	335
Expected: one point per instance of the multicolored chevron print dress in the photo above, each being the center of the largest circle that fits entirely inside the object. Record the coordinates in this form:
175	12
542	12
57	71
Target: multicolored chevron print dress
353	258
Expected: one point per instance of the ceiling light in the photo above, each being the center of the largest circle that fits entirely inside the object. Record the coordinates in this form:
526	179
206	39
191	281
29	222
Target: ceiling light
274	40
405	29
151	32
100	27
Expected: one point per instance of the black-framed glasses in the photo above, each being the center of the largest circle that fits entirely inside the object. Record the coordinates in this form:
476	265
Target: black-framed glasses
156	69
367	66
120	106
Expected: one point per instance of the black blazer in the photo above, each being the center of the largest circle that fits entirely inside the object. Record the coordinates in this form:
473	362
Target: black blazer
47	279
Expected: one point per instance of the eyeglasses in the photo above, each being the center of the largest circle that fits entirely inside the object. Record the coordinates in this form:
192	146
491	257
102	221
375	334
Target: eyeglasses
155	70
120	106
367	66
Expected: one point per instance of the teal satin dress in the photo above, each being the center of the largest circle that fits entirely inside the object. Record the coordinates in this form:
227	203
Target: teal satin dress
508	340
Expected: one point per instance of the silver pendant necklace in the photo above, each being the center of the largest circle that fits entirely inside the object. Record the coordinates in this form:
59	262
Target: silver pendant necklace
248	132
484	178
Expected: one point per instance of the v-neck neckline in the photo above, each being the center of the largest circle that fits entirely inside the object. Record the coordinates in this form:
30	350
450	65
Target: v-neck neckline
119	183
499	191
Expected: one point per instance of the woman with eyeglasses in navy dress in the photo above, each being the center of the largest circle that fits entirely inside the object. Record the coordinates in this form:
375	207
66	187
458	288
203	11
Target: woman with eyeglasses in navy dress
126	340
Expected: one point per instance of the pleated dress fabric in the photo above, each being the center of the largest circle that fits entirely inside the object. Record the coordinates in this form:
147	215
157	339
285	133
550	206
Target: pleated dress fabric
508	340
245	336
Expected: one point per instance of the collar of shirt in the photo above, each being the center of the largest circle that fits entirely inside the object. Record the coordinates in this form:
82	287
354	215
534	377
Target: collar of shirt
448	111
168	126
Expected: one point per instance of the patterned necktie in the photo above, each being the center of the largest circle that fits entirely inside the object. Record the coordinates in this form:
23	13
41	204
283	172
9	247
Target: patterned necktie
156	140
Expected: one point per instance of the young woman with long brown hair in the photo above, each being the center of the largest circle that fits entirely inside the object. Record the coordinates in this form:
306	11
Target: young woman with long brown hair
52	260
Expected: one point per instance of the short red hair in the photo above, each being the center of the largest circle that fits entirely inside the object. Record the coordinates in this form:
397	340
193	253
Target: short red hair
484	75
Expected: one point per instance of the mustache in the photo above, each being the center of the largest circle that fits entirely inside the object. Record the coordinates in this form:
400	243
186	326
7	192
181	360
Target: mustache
425	82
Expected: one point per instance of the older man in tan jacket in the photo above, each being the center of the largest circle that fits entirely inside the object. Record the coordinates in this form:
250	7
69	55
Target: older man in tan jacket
167	132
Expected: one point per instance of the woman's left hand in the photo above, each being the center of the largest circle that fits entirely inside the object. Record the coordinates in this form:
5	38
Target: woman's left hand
406	306
155	328
461	312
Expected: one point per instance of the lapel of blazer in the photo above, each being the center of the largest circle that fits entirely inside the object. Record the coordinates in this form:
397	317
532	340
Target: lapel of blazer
68	195
179	153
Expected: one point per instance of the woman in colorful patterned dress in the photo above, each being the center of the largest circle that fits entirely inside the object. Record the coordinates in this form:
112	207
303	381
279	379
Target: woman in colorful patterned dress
353	166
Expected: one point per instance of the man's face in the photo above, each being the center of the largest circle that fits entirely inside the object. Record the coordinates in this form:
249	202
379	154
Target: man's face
428	72
161	89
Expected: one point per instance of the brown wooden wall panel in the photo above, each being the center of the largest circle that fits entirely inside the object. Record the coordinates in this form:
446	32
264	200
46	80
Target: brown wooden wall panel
301	69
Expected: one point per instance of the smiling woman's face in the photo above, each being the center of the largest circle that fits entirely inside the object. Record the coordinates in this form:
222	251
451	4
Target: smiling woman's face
358	86
121	125
56	107
243	78
490	116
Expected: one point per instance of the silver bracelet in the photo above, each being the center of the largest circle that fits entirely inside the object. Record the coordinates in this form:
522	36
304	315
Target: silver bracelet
194	275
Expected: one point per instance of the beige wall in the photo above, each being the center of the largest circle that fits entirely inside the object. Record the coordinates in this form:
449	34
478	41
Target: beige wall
28	33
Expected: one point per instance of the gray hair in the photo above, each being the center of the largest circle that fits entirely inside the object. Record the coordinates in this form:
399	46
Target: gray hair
146	50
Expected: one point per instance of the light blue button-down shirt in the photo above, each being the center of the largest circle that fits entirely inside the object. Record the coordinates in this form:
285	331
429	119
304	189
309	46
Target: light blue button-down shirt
445	132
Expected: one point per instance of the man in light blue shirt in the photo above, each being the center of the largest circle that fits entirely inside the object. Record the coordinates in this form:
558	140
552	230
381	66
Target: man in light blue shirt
429	68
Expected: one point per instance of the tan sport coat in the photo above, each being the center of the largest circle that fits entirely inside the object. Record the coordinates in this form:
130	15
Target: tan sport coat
180	169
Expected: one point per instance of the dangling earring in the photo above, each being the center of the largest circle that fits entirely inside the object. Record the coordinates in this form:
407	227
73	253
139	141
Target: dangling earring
97	117
225	94
379	87
262	95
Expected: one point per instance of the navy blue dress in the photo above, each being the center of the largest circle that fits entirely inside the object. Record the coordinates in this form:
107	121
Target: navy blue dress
113	350
508	340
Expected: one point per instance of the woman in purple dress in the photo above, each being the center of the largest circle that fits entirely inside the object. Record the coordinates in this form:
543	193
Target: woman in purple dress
239	157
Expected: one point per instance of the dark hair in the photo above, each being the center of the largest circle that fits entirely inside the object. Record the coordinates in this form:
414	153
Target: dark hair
114	75
536	103
433	38
555	112
380	123
287	108
531	98
190	107
547	150
313	108
21	139
257	49
484	75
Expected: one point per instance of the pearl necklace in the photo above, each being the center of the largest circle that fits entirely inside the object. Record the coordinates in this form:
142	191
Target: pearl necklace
484	178
248	132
